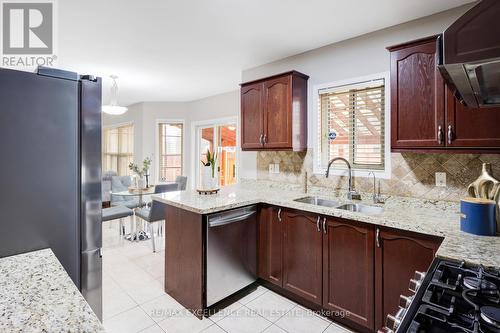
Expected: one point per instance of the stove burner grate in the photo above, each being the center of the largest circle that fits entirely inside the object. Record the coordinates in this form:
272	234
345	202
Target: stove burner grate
483	285
491	315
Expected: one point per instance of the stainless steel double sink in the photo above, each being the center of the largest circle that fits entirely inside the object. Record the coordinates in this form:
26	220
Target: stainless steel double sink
352	207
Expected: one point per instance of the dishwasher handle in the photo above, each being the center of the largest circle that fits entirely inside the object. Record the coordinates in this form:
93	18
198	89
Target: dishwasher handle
223	221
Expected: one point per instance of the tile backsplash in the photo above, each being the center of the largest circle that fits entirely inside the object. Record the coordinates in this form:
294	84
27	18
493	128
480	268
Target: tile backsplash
412	175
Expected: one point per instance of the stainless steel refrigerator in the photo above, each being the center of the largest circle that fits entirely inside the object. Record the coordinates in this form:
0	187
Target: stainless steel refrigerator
50	171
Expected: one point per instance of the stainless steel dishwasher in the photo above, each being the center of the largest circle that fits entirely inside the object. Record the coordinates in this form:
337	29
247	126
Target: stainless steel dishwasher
231	252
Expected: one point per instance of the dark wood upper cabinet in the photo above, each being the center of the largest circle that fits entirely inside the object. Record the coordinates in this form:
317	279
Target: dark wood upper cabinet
398	255
425	116
274	113
348	270
302	256
471	127
277	110
271	245
417	95
252	120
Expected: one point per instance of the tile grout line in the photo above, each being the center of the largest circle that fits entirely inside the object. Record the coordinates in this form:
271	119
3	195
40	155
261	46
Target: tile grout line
123	291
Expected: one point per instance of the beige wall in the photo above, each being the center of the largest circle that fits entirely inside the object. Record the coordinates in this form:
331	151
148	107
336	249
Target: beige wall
223	106
134	115
145	116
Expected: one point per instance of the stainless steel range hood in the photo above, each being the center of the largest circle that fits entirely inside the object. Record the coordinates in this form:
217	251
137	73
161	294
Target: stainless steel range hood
470	58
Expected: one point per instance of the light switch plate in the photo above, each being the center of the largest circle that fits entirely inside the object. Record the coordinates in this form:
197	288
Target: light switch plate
276	168
441	179
271	168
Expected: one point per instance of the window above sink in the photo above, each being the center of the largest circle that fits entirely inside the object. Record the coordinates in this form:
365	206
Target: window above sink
352	121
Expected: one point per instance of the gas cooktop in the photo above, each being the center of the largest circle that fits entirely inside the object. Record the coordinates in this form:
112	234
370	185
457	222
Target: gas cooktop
454	298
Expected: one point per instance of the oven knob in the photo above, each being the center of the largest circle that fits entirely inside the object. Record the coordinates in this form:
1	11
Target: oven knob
414	285
419	276
405	301
392	322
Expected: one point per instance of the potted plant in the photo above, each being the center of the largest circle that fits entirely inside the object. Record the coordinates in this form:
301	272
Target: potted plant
140	172
208	175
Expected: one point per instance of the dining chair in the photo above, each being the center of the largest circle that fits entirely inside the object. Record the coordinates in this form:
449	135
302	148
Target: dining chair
117	213
181	182
106	185
179	185
162	188
119	184
151	215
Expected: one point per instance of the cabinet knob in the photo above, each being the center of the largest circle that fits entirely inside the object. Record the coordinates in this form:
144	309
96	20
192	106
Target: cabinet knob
261	140
450	134
317	223
440	134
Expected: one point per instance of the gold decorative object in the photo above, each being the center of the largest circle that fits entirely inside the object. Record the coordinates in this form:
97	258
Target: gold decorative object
486	187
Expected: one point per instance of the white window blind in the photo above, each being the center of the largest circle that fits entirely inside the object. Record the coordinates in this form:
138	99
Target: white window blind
170	154
352	124
118	149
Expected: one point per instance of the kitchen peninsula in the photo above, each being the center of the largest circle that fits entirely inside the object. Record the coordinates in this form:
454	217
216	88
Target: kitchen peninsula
421	228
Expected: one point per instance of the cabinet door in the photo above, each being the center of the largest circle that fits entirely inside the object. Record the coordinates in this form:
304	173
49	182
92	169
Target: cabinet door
417	97
397	256
302	255
278	113
252	121
271	245
348	271
471	127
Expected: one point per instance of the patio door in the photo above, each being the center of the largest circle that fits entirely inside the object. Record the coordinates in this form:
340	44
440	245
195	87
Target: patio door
222	139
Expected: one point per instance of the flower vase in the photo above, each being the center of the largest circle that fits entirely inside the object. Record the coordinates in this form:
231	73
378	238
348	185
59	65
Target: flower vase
208	181
141	183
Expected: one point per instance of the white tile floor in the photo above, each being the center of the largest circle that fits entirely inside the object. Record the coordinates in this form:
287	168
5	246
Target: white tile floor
134	300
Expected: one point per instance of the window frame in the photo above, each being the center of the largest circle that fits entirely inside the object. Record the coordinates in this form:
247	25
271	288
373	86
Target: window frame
195	125
118	155
157	146
340	170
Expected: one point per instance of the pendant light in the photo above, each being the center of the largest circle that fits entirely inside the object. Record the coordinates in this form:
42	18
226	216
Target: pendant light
113	108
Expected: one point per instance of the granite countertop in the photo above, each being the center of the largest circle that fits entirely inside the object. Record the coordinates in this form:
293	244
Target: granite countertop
431	217
37	295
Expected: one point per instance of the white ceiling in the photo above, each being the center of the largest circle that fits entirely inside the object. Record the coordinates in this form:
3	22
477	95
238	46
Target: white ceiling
166	50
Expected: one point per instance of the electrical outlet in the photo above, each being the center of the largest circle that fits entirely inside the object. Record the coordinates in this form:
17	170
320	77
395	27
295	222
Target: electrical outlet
271	168
441	179
276	168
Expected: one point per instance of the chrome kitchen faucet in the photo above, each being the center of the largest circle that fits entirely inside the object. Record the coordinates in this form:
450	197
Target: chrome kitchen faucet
351	194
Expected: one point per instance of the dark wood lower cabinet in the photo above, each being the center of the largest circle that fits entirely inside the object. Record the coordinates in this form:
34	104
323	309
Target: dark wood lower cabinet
271	245
398	255
348	270
341	267
302	256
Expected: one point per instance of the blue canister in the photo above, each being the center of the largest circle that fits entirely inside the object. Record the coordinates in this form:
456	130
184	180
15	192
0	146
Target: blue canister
478	216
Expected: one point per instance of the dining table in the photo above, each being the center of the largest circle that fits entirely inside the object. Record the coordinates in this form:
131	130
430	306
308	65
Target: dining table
137	232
